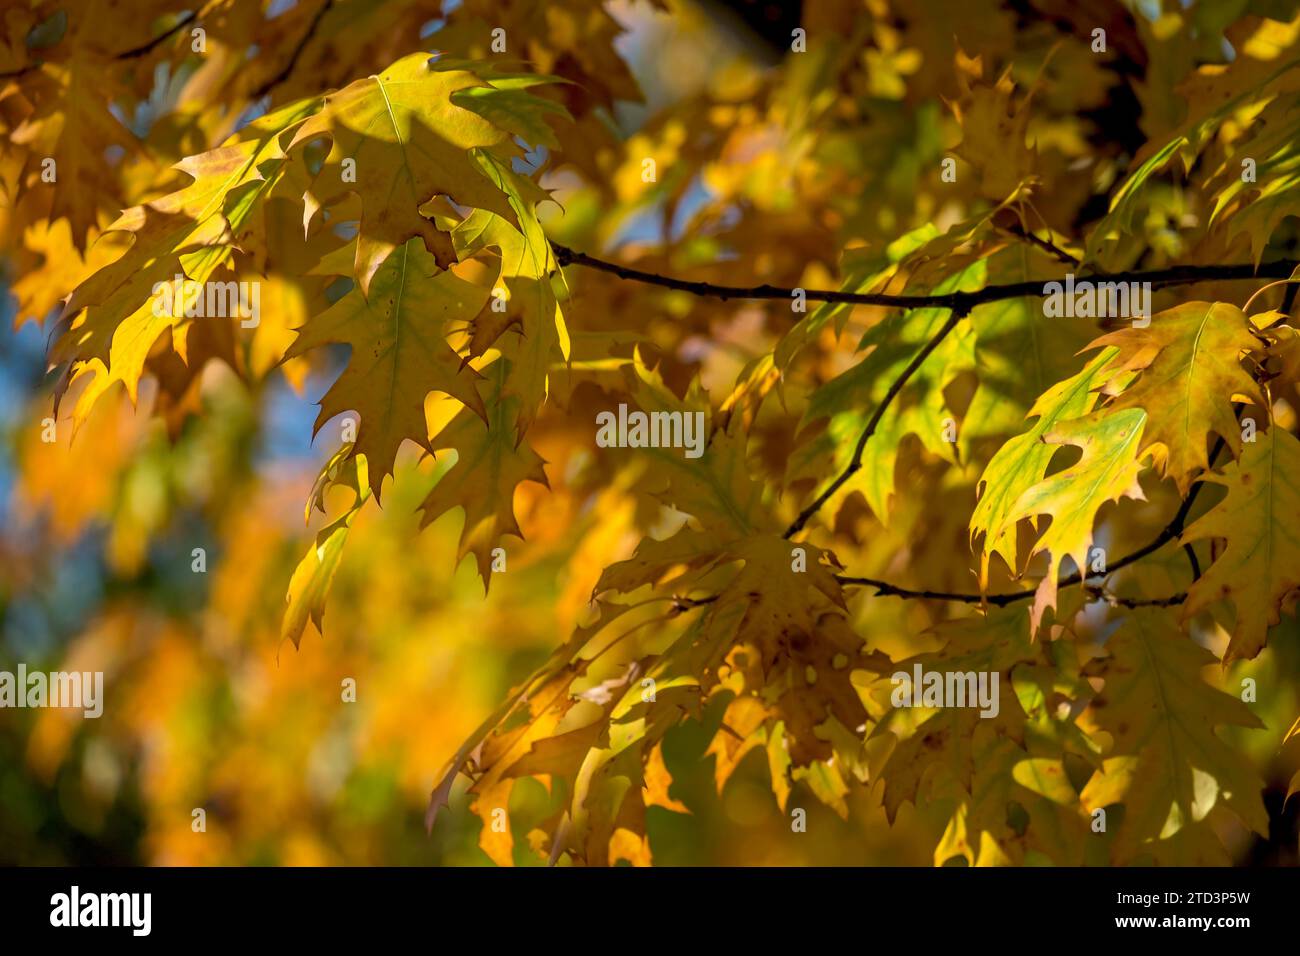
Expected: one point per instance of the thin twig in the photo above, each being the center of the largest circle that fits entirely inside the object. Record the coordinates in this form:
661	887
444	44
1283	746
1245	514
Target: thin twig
1051	248
141	50
22	70
856	462
130	54
1171	601
283	75
683	604
886	589
958	301
1288	299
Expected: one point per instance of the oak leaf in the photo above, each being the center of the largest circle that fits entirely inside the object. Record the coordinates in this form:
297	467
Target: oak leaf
1190	359
1167	763
1022	462
398	335
1259	565
406	142
490	464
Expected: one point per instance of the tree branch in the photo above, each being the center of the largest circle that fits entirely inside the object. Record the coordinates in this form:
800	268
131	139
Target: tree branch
960	304
856	462
958	301
886	589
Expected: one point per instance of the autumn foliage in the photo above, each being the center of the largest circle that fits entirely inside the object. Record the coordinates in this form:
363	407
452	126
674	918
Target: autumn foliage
459	234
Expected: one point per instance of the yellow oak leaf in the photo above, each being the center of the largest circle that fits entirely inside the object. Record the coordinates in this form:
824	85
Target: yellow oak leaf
716	487
1260	563
658	781
994	128
1022	463
778	621
523	304
1107	471
934	748
112	321
1167	764
314	574
397	141
71	128
490	465
1190	357
398	334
